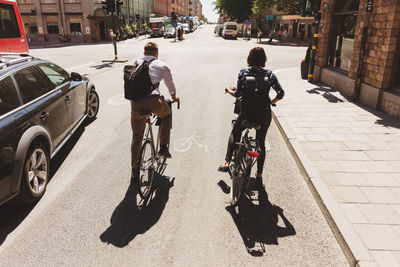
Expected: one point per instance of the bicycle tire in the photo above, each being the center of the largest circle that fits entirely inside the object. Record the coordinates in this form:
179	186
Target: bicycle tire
161	168
146	171
237	179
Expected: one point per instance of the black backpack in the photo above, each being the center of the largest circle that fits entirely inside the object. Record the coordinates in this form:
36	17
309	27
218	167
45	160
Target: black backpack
137	83
255	98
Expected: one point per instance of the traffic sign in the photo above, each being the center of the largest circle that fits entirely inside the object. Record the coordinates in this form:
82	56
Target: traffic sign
246	22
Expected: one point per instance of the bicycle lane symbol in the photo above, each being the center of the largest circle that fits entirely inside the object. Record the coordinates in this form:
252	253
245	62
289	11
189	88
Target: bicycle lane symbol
185	143
117	100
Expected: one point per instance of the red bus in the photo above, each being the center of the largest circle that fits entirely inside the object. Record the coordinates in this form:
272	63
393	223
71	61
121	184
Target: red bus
12	35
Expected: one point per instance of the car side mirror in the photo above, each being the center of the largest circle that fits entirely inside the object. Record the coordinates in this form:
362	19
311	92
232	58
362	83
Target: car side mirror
76	77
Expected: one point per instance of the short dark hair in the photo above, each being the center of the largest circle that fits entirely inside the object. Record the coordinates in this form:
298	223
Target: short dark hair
257	57
151	48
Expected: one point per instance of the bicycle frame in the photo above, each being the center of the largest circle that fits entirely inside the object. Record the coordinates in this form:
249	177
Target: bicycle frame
151	119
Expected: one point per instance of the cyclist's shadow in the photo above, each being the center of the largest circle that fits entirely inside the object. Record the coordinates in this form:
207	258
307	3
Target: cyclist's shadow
258	224
128	220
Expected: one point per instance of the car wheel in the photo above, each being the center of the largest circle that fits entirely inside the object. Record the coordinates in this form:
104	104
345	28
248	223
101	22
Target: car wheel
93	105
35	175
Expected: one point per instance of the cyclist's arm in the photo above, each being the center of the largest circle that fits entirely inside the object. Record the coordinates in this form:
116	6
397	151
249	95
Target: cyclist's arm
240	84
169	82
278	89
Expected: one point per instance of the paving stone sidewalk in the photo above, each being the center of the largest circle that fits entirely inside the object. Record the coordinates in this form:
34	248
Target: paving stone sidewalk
351	156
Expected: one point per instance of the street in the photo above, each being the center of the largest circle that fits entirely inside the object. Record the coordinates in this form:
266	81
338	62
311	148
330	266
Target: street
89	217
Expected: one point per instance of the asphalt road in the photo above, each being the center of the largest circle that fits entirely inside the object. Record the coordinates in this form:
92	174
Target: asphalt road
88	216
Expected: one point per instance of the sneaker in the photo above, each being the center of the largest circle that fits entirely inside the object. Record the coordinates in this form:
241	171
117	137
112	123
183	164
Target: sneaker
223	168
164	152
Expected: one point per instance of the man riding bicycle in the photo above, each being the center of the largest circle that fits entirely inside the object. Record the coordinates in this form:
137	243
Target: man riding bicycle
257	107
153	103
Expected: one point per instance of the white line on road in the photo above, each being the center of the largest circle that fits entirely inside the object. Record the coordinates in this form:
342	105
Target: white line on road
81	66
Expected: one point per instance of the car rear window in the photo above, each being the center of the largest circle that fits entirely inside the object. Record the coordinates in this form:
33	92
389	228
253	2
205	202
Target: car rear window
231	27
8	22
9	99
31	83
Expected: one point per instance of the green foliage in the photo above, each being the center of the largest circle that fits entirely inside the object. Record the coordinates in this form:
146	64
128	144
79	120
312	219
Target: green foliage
296	6
260	5
235	9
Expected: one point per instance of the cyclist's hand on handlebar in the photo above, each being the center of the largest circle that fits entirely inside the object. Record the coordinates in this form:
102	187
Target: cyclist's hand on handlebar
176	98
229	90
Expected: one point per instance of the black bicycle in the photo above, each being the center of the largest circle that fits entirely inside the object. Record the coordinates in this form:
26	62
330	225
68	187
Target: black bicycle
244	157
150	162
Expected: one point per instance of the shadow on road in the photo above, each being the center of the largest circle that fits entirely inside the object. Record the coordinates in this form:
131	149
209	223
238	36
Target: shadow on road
258	222
128	220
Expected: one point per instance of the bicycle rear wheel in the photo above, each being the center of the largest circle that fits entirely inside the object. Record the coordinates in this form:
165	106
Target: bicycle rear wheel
237	179
146	169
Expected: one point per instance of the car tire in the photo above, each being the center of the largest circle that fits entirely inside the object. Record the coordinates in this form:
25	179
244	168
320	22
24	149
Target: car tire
35	173
92	105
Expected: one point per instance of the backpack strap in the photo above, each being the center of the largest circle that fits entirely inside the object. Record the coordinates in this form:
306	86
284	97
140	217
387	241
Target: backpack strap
156	85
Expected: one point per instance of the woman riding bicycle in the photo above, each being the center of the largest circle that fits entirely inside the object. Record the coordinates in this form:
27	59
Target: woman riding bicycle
257	107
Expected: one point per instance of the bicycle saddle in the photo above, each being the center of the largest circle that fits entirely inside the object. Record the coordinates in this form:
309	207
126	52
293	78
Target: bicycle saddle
250	125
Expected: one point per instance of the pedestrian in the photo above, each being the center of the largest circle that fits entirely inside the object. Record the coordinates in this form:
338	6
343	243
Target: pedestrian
302	34
259	36
255	105
154	103
271	36
279	35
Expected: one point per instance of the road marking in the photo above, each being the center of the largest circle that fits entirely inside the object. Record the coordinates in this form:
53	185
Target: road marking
185	143
81	66
282	70
117	100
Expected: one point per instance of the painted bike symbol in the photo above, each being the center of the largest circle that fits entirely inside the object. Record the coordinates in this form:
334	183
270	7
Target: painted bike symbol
185	143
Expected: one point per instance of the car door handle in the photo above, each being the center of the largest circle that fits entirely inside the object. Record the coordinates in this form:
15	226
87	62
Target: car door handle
67	98
44	115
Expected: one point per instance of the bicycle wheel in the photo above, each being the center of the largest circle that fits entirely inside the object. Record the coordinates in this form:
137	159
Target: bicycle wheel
237	179
146	169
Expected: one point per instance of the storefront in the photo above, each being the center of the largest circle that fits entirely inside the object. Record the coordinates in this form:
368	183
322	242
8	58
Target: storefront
367	72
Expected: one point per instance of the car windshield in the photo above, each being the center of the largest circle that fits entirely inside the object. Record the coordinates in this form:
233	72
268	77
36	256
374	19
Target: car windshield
231	27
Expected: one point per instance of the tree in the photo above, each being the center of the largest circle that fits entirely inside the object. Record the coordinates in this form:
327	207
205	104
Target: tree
239	10
203	18
259	7
297	6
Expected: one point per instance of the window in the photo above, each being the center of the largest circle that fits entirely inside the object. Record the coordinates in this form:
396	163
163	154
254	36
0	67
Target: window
31	84
8	22
9	99
52	28
345	21
56	74
75	27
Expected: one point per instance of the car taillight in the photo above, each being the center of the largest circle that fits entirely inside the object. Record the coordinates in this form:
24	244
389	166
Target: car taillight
253	154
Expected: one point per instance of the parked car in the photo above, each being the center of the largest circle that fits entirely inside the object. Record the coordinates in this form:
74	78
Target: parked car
230	30
185	28
41	106
169	33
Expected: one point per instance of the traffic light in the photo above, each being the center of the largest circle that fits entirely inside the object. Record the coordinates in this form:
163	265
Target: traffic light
108	5
118	4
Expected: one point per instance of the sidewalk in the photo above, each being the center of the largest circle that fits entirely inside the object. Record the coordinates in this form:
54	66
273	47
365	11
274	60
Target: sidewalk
350	157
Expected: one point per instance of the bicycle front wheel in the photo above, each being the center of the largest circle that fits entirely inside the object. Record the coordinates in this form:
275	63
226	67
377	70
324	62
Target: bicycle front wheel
147	170
236	189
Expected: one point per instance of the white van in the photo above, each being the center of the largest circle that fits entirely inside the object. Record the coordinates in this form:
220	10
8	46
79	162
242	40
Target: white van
230	30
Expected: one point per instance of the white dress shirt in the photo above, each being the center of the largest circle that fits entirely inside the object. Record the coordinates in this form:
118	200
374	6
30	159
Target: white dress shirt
158	71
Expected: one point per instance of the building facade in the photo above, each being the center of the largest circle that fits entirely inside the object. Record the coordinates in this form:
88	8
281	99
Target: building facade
136	12
161	7
366	72
76	20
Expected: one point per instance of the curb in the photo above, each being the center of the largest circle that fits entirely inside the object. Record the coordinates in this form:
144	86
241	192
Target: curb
354	249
